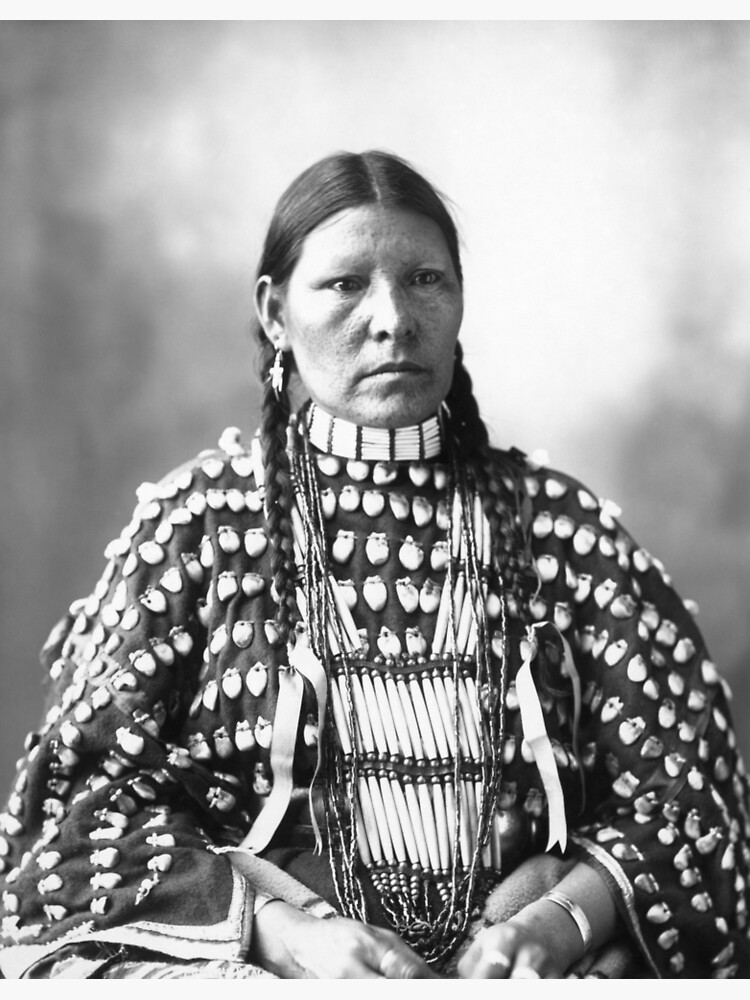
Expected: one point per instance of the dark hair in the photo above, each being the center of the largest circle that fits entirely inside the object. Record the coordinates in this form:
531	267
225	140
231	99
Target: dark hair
349	180
333	184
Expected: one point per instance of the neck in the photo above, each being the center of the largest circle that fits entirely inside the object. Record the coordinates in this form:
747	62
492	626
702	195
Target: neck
337	436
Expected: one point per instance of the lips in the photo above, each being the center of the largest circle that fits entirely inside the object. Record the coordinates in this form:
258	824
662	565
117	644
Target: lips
396	368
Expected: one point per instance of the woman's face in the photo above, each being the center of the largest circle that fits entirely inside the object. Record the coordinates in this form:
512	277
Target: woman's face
371	313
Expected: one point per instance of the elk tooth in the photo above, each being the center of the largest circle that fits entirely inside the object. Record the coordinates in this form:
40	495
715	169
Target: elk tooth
547	567
130	742
310	732
107	857
407	594
256	679
667	714
416	644
584	540
242	465
218	640
70	735
631	730
564	527
171	580
376	548
155	601
623	606
343	546
160	863
144	663
429	597
543	524
226	585
243	633
329	465
419	473
384	473
349	498
328	502
422	511
244	738
389	643
231	682
216	499
263	732
411	554
583	587
615	652
83	712
130	618
151	552
373	503
271	632
211	695
357	469
181	640
235	500
440	556
254	501
348	592
611	708
256	542
48	860
554	488
375	593
673	764
652	748
252	584
604	593
399	506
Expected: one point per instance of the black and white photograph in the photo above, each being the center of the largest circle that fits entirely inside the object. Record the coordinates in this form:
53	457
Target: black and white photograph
375	489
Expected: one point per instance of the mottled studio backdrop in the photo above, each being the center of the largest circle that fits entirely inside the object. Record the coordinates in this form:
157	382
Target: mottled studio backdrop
601	176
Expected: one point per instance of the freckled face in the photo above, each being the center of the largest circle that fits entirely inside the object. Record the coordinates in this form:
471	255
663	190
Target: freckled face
371	313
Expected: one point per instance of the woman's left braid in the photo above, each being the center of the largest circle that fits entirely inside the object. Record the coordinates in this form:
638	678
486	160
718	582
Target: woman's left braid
274	421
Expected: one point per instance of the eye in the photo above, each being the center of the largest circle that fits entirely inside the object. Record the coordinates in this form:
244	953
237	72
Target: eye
345	285
426	278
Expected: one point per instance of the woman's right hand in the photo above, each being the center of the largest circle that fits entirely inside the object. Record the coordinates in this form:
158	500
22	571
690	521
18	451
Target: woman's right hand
294	945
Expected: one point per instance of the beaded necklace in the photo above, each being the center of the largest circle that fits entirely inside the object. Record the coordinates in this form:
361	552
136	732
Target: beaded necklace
427	883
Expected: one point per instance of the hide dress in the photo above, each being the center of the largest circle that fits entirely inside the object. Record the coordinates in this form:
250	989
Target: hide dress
177	725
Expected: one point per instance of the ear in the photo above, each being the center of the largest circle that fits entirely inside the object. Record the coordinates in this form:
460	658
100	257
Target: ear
269	306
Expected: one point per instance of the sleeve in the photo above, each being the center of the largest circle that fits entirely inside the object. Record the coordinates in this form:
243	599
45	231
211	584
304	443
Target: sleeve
666	794
108	830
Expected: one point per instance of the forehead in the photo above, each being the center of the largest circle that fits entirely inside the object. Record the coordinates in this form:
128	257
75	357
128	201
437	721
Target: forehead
373	234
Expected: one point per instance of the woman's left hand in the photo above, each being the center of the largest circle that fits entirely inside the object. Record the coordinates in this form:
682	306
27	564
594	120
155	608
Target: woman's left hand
509	950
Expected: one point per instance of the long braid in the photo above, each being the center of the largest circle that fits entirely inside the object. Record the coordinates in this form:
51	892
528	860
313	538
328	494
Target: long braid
274	422
498	477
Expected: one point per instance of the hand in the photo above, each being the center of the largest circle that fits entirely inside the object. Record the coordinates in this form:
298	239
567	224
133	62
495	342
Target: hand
509	950
294	945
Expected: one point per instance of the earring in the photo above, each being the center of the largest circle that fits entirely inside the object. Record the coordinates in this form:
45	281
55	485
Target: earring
277	372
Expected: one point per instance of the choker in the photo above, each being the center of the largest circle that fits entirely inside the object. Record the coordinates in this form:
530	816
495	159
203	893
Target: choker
337	436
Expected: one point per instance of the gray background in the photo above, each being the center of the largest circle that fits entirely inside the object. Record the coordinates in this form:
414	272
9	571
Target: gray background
601	176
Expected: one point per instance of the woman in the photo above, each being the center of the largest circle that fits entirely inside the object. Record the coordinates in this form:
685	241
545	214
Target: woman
371	698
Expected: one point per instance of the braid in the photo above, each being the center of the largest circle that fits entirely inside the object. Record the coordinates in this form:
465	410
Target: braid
498	478
274	420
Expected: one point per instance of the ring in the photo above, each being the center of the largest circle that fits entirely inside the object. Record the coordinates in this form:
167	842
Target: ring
497	958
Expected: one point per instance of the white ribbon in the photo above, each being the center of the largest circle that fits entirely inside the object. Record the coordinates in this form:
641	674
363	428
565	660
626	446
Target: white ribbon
535	734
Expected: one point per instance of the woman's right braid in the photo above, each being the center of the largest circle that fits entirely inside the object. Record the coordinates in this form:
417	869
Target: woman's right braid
274	421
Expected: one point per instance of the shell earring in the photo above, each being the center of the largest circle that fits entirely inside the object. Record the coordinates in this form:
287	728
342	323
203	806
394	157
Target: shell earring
277	372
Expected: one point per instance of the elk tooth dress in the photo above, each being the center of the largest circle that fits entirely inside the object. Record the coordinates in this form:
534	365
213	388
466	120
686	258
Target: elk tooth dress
167	705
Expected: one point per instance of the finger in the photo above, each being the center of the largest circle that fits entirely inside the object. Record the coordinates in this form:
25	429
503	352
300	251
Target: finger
399	962
496	963
531	962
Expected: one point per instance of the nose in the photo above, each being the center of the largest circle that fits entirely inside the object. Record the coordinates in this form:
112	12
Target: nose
389	311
